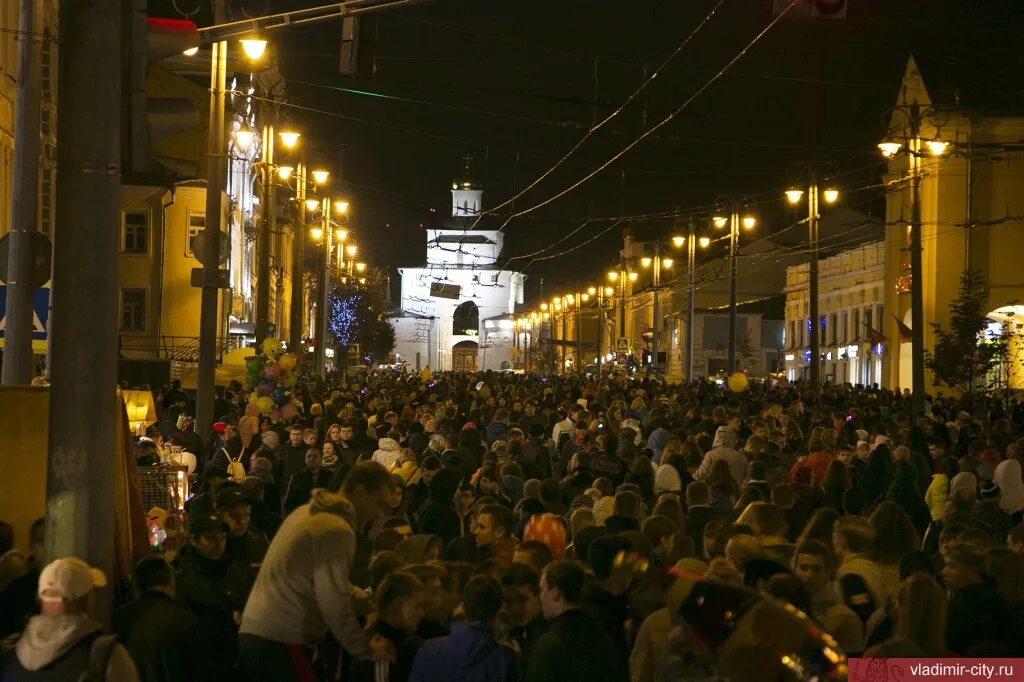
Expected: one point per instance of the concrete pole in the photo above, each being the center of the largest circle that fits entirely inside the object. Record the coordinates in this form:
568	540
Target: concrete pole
84	407
298	247
734	234
916	270
691	262
600	328
17	365
215	176
812	225
324	291
656	327
264	236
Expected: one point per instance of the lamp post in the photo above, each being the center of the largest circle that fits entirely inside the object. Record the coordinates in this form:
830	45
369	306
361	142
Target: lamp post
915	116
691	241
215	178
598	293
267	220
622	278
734	220
795	195
656	264
323	291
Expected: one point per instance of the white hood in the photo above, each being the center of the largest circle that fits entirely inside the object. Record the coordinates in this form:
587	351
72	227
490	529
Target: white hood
47	637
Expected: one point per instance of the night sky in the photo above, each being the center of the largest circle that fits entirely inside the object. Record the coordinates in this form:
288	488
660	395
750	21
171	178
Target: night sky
513	84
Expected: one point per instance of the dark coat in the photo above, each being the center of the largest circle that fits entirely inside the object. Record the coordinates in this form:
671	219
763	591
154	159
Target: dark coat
979	614
204	588
406	645
574	649
300	488
469	654
163	639
696	518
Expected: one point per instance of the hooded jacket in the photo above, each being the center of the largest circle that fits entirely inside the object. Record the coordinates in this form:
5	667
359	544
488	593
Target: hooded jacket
1011	489
468	654
724	447
303	586
666	480
936	495
51	639
388	453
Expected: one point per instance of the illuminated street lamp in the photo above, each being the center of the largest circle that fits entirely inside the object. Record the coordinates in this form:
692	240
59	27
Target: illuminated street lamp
253	47
320	176
289	138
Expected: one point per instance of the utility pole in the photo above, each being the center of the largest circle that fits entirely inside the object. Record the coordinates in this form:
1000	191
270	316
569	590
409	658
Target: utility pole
216	158
298	248
320	356
916	269
656	331
84	405
734	236
691	264
17	365
266	218
812	226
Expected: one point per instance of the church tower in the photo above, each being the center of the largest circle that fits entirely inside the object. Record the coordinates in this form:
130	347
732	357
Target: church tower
467	195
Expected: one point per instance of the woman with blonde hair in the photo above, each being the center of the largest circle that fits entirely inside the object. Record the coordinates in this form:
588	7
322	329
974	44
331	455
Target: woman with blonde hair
921	614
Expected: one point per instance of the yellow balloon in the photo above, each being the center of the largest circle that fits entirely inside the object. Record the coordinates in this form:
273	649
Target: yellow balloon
266	404
271	345
738	382
287	361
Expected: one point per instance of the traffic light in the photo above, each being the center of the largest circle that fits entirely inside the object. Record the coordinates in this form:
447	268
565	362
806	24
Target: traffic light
147	120
358	46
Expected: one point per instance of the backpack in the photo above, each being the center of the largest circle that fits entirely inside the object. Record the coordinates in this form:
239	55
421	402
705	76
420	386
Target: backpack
236	472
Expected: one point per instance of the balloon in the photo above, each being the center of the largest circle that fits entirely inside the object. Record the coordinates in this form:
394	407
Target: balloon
266	404
275	416
289	411
271	345
738	382
280	397
265	388
289	379
272	371
287	361
253	396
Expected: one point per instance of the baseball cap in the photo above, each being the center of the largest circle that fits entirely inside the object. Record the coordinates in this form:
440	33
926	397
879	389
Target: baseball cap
68	579
231	497
201	524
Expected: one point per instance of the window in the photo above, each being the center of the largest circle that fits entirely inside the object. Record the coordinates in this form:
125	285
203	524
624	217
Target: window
133	309
856	325
834	333
791	341
135	232
868	323
196	224
846	328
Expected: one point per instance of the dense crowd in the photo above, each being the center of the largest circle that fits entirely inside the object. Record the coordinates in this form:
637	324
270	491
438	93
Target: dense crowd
511	527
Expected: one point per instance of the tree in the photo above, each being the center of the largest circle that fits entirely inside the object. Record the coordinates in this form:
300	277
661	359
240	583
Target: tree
357	308
964	356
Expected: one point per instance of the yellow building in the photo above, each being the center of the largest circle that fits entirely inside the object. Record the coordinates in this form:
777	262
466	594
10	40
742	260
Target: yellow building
972	209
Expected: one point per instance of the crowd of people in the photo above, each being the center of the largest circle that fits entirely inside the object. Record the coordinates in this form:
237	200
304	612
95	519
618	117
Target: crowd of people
521	527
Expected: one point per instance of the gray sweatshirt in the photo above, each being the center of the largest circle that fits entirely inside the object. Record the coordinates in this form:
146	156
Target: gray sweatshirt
302	589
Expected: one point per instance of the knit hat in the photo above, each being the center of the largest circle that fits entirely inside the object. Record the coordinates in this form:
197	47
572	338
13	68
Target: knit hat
988	491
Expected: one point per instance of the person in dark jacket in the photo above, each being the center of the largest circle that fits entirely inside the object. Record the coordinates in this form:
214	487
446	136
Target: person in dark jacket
521	611
470	653
302	483
436	516
161	636
263	519
904	492
606	597
399	611
291	456
202	587
575	647
978	615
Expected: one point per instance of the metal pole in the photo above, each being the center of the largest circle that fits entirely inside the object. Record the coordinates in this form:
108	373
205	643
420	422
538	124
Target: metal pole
916	269
734	233
82	466
264	236
578	335
298	247
600	329
812	224
565	335
691	261
17	365
324	291
215	177
657	310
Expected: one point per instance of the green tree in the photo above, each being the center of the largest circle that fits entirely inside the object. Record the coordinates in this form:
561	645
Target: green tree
357	314
964	357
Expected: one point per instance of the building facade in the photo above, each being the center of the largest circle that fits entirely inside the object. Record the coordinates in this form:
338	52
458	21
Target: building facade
457	311
851	292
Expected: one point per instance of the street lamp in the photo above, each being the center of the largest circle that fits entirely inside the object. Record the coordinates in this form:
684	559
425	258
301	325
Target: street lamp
289	138
734	220
253	47
320	176
285	172
915	116
831	196
244	136
341	207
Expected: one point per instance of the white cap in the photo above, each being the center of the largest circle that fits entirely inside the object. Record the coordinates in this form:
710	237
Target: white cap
68	579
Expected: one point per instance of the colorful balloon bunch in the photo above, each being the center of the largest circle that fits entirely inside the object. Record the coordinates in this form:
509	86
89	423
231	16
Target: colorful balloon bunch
271	375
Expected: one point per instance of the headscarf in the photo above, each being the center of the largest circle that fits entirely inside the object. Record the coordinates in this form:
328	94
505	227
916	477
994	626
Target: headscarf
666	480
1007	477
659	438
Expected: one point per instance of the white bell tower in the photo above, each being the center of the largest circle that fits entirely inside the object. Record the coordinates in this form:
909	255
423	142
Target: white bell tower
467	196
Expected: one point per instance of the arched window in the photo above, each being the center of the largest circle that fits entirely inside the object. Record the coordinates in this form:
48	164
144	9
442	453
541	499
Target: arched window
466	320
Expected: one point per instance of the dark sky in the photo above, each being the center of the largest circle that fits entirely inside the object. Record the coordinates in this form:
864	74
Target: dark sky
513	83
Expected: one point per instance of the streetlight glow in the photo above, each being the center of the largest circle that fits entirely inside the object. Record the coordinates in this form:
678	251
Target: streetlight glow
289	138
633	276
316	232
937	147
341	235
645	261
543	306
360	267
320	176
608	291
285	172
889	148
312	204
613	276
749	222
191	52
351	249
678	241
794	196
254	47
341	206
705	242
719	221
244	137
831	196
568	299
584	297
591	290
667	262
